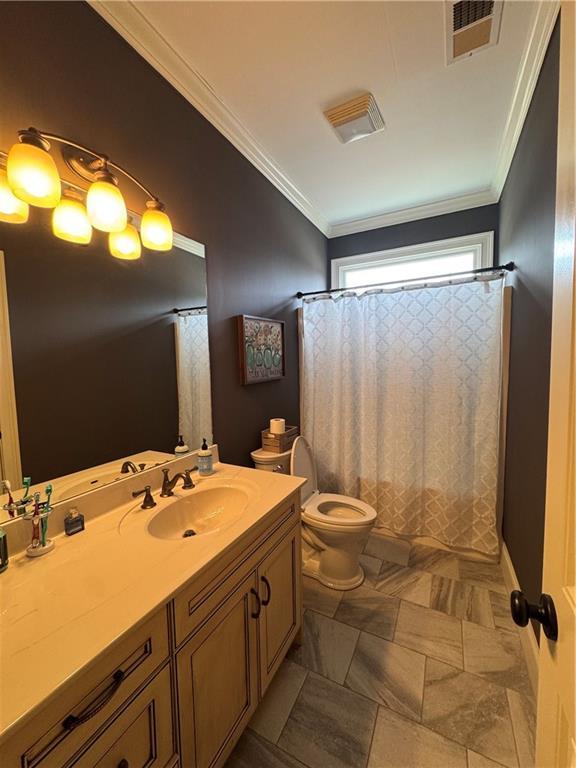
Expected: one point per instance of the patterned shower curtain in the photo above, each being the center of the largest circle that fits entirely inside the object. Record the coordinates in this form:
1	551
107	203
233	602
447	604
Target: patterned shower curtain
193	368
401	403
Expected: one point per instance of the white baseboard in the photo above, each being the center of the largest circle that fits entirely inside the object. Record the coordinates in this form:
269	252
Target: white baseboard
527	636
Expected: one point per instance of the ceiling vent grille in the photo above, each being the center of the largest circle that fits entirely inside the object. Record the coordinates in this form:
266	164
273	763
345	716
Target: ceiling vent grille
356	119
471	26
467	12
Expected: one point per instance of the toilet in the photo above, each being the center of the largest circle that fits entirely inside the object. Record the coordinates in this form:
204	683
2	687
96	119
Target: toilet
334	528
272	462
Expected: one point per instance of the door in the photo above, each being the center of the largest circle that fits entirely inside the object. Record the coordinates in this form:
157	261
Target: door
218	679
279	577
141	736
556	733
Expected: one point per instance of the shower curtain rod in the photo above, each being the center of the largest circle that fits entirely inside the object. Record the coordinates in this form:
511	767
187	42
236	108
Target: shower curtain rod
509	267
177	311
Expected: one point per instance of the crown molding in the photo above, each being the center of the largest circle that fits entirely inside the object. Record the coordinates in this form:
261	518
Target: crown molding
530	66
129	22
427	211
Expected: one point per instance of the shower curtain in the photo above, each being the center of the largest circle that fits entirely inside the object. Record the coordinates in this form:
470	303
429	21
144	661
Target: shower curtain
193	372
401	402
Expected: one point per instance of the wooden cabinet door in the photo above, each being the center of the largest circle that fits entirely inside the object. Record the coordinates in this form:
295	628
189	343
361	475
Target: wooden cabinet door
279	579
141	736
218	679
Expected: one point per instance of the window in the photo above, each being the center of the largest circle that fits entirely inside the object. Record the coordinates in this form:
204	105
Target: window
442	257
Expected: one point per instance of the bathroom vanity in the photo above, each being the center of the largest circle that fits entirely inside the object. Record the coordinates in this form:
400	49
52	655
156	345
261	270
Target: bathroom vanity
132	645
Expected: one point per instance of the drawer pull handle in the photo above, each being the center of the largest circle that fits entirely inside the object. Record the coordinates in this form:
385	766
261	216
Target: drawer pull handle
266	583
73	721
258	603
123	763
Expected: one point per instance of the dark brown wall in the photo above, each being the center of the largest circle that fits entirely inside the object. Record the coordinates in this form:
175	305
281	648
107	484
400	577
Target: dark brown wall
80	79
458	224
527	238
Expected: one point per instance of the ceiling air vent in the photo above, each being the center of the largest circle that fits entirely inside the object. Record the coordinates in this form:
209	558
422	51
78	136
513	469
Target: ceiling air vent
355	119
471	26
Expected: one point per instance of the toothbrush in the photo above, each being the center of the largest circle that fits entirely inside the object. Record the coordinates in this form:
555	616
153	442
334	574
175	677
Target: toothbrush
36	521
27	483
44	523
10	505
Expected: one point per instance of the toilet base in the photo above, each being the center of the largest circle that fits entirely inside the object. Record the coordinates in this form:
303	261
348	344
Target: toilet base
311	568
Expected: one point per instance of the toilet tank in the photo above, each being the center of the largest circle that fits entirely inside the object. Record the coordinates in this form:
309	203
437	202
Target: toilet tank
269	461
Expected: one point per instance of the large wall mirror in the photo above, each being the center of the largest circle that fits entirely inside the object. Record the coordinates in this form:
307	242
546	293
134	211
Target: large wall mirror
98	374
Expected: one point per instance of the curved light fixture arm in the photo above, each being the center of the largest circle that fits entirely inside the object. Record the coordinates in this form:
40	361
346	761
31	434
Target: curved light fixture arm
84	169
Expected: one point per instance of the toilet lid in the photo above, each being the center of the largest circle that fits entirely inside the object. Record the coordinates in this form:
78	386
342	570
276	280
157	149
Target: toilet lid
302	465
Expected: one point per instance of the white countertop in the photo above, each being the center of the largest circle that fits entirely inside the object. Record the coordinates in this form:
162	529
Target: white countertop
60	611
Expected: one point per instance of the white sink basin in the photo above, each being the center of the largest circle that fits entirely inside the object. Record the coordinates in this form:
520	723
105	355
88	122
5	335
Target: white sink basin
204	511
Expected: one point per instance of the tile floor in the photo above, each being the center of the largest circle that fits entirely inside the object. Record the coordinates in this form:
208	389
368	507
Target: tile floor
420	667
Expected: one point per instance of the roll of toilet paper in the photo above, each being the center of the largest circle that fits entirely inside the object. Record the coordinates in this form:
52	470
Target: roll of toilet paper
277	426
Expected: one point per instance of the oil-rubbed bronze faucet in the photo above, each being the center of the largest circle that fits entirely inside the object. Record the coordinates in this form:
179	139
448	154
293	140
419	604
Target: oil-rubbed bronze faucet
168	485
129	466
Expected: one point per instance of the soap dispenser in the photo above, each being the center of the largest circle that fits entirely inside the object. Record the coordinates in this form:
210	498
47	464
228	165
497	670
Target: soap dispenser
205	460
181	446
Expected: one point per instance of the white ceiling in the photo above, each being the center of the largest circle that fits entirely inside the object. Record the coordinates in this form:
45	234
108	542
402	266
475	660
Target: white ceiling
263	72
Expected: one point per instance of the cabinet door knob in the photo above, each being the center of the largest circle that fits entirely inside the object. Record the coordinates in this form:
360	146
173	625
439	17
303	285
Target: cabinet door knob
123	763
545	612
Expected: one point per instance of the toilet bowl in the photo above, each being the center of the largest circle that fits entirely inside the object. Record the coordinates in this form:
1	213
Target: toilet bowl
335	528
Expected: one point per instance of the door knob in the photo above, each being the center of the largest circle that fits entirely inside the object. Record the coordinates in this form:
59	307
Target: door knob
545	612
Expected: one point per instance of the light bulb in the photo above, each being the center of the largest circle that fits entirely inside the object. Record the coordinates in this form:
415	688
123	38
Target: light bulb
32	172
12	210
156	227
125	244
70	222
105	204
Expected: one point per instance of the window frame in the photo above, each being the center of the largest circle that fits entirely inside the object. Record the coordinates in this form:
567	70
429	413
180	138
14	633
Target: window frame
481	243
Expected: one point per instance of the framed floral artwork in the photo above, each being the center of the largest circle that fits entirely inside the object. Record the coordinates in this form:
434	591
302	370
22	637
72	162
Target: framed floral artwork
260	349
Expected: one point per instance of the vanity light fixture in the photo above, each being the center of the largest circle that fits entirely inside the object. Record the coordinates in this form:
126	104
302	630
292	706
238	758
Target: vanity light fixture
32	178
156	228
105	204
126	244
12	210
70	220
32	172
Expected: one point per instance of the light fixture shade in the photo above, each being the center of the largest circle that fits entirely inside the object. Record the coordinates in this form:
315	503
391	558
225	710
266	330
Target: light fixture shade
125	244
156	228
106	207
12	210
33	176
70	222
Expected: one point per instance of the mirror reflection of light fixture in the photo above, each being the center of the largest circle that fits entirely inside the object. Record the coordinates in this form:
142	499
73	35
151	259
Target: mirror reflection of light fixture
105	204
70	220
12	210
32	172
156	227
31	177
126	244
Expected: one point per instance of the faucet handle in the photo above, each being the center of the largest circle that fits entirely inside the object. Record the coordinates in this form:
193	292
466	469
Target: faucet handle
148	502
188	482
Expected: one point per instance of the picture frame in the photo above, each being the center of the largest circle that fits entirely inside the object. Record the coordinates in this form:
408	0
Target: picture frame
261	349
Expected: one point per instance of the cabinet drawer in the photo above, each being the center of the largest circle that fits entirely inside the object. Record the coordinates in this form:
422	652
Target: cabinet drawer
55	735
199	600
140	736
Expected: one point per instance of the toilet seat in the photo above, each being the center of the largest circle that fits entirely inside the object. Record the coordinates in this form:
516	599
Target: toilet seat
333	511
330	511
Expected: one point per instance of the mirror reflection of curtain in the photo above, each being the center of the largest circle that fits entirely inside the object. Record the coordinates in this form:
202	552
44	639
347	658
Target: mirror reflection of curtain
193	366
401	403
